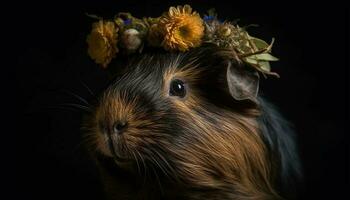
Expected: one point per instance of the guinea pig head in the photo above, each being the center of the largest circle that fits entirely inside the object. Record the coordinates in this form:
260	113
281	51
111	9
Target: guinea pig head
190	117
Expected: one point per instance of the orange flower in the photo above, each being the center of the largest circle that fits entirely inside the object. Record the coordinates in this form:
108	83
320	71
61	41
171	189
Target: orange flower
182	28
102	42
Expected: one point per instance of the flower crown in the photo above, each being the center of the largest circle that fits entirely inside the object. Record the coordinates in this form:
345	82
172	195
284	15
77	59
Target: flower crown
179	29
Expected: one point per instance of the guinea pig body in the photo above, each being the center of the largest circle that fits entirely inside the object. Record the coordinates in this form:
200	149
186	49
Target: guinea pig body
170	127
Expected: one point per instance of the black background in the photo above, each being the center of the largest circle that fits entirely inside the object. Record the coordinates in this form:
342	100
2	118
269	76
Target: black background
312	43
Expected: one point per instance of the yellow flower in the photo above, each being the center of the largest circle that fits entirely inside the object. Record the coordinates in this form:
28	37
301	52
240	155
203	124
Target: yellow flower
102	42
182	28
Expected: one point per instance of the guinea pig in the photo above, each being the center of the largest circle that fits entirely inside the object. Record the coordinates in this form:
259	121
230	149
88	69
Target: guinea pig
190	125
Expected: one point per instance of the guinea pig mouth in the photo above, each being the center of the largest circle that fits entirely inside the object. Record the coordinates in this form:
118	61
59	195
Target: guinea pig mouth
117	159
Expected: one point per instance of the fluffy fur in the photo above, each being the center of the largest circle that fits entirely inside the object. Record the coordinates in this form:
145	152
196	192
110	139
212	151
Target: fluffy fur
207	145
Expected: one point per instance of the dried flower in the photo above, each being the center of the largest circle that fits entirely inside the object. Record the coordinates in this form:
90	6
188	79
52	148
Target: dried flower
155	36
102	42
179	29
251	50
182	28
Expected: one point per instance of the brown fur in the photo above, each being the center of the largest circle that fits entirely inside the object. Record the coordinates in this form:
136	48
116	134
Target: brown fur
223	156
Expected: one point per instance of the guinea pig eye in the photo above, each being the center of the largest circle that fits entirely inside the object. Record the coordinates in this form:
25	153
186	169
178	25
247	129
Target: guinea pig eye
177	88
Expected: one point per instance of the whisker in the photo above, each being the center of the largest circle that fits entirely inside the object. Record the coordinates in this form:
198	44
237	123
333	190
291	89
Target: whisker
87	142
160	166
167	165
62	108
77	106
77	97
88	89
144	167
137	162
158	180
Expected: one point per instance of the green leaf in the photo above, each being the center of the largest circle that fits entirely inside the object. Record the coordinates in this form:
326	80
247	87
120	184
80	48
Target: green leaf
265	65
268	49
260	44
265	57
251	60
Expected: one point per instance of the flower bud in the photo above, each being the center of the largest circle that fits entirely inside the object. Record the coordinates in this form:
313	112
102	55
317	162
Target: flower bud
131	39
225	31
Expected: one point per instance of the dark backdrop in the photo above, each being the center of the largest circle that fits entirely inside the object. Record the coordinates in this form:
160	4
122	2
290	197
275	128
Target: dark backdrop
313	91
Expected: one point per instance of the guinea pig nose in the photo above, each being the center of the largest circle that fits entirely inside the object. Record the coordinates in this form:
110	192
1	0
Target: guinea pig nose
119	127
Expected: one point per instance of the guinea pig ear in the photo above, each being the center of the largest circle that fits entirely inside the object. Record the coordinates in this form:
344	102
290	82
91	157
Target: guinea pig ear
243	84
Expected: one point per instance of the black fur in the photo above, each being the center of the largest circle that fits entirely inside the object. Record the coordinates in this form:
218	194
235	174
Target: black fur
142	78
280	139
